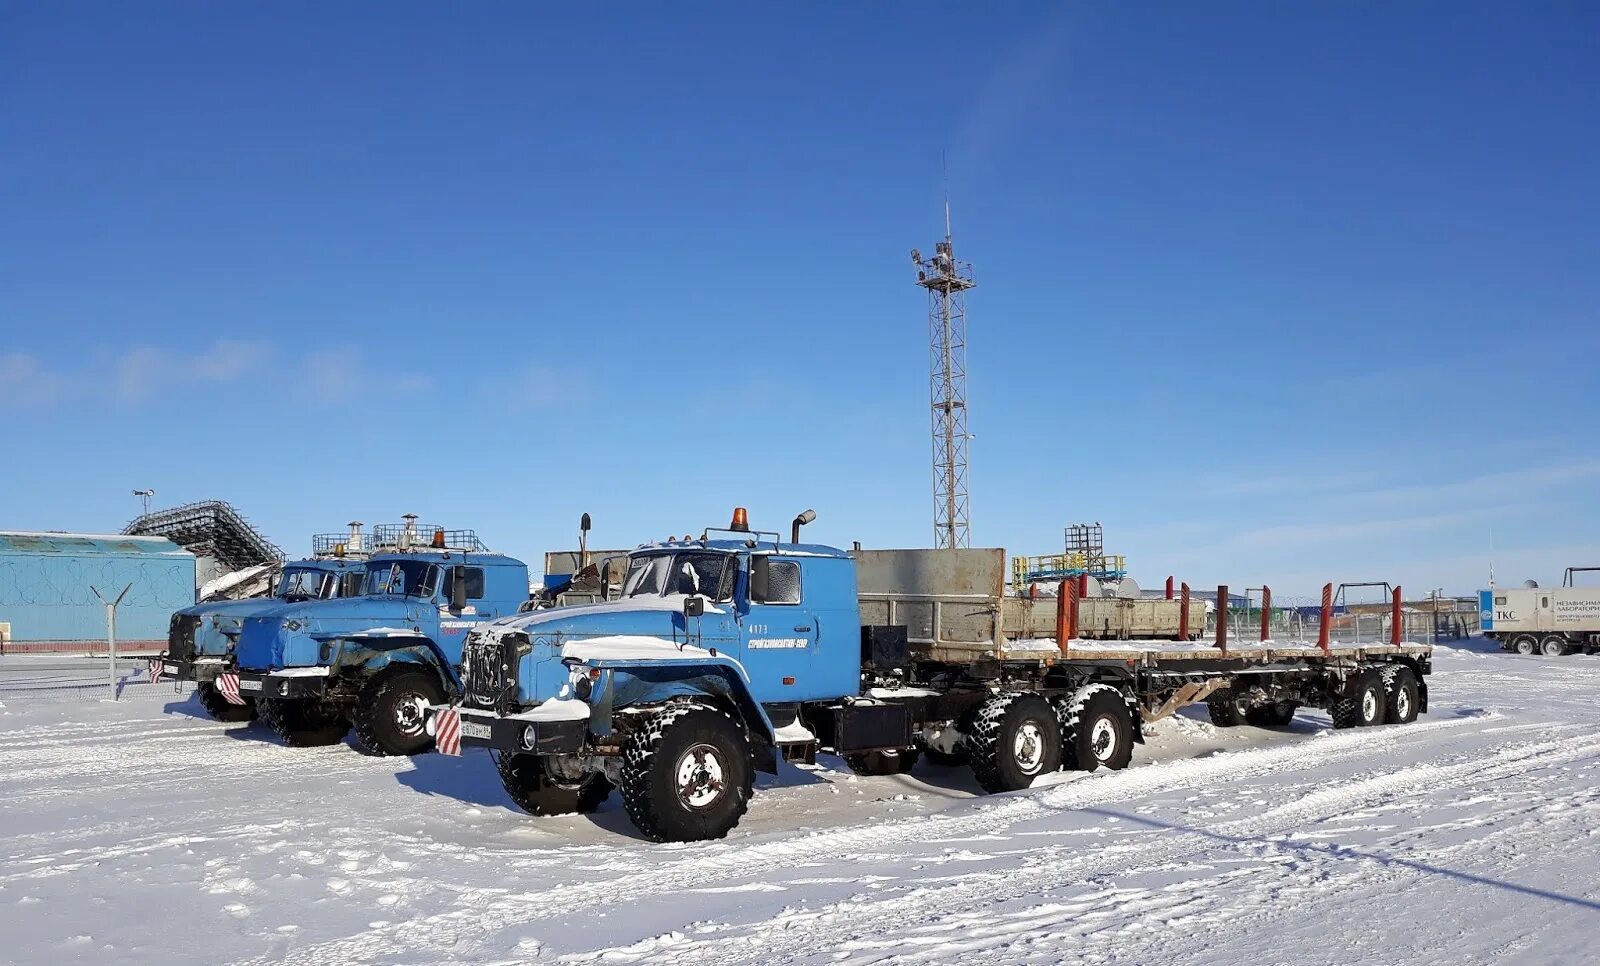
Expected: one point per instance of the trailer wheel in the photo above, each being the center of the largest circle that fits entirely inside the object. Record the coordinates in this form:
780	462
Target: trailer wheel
303	724
392	711
1225	711
1015	738
1553	646
1401	706
1362	706
534	782
885	761
1525	644
220	708
1099	729
1276	714
687	774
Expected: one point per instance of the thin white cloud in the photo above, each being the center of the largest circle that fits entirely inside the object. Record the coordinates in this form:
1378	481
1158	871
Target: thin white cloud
25	381
136	375
348	370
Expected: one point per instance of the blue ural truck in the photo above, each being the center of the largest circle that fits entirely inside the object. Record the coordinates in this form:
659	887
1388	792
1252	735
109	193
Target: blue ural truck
727	652
201	638
375	662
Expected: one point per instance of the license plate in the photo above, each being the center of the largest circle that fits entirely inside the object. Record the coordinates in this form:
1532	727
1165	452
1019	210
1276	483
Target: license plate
246	684
170	668
472	729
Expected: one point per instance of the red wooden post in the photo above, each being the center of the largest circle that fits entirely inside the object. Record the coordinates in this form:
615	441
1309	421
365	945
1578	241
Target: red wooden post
1327	617
1083	587
1222	619
1063	619
1169	588
1183	615
1266	610
1394	619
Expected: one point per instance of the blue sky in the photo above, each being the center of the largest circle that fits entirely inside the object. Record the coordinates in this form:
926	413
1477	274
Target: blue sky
1277	292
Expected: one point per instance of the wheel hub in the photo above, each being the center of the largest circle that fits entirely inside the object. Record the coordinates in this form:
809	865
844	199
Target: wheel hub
1402	703
1369	705
410	714
700	776
1103	739
1028	748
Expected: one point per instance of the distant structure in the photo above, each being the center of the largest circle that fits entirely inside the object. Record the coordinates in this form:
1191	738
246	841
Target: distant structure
219	536
947	281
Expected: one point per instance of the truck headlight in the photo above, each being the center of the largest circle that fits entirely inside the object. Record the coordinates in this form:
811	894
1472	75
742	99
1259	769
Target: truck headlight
530	737
583	687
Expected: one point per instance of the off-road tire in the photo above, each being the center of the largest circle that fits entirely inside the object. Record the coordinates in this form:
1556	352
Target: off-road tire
303	724
1096	729
378	712
1275	714
655	752
1363	706
221	708
883	762
1015	738
1525	644
537	792
1225	711
1553	646
1400	706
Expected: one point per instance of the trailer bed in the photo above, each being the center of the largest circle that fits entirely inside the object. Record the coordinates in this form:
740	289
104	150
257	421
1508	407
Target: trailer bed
1172	652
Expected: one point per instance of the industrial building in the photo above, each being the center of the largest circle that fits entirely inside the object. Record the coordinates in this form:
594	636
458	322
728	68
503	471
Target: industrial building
48	583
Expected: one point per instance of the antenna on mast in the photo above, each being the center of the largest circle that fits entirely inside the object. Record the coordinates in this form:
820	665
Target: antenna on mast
947	281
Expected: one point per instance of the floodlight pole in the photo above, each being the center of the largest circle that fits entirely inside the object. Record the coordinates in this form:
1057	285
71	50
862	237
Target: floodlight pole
111	631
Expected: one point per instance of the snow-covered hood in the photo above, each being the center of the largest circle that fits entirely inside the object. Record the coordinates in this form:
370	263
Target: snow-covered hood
291	635
220	622
648	625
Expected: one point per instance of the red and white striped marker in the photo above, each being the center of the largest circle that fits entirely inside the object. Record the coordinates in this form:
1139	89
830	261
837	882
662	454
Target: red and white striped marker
447	732
156	667
228	687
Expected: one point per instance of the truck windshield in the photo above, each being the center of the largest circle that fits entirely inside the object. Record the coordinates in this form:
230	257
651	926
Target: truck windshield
706	573
409	578
307	584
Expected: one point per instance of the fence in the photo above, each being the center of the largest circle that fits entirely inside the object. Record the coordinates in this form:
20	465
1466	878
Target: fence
82	677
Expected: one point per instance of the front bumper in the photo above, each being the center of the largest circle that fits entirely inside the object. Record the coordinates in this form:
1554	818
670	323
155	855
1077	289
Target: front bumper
483	729
287	687
202	670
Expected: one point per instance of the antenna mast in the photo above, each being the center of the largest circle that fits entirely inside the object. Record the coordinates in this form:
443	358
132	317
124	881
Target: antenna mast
947	281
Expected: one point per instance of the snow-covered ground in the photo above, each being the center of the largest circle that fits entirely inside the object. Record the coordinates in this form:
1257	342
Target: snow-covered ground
145	832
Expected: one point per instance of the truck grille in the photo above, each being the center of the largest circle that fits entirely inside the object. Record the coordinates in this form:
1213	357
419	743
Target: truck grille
489	670
180	637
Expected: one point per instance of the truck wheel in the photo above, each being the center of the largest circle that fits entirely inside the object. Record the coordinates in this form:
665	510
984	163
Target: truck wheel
536	785
1225	712
1363	706
303	724
392	711
1525	644
1277	714
220	708
1553	646
887	761
1401	706
1098	729
687	774
1015	738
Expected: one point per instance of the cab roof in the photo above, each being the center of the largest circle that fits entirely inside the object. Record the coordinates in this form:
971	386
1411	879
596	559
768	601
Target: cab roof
743	546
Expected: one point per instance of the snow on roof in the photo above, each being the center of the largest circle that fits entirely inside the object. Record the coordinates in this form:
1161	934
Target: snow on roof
87	544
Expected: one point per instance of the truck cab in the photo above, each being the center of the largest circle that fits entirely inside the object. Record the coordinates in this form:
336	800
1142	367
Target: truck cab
374	661
201	638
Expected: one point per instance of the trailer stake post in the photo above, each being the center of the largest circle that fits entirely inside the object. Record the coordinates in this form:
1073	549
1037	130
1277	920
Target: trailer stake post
1169	588
1327	618
1395	618
1063	620
1222	619
1266	611
1183	615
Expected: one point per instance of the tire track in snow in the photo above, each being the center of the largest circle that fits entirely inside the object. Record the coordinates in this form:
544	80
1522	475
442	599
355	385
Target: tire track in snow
713	863
880	926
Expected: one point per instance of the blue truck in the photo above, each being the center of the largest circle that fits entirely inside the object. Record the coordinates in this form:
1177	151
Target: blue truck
201	638
726	653
376	661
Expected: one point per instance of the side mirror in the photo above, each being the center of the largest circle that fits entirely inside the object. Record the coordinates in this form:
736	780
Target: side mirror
458	588
694	606
760	578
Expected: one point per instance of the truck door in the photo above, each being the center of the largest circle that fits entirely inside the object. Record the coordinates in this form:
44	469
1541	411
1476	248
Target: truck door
780	630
